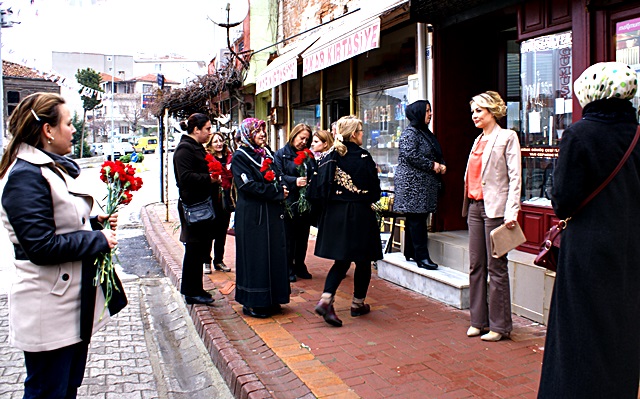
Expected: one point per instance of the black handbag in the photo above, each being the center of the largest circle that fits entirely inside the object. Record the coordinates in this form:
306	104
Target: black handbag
198	212
550	247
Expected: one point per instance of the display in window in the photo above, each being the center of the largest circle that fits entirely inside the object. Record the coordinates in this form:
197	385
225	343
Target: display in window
628	47
383	117
545	111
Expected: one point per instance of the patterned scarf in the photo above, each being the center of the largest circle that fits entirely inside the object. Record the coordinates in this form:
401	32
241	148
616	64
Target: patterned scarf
606	80
248	129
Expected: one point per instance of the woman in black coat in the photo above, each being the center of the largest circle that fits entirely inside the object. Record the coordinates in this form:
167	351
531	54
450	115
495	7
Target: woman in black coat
298	222
417	181
348	229
194	185
592	348
262	284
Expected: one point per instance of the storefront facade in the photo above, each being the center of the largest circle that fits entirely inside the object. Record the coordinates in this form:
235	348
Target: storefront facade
528	51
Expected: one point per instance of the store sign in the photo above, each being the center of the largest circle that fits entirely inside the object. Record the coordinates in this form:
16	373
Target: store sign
361	40
540	152
274	76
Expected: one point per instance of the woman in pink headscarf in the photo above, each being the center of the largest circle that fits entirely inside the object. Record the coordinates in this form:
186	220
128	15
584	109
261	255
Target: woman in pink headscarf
262	278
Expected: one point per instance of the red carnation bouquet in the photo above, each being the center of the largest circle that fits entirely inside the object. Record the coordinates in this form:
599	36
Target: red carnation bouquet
300	161
270	176
215	167
121	181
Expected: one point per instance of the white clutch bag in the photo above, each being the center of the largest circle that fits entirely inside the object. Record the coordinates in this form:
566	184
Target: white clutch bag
504	240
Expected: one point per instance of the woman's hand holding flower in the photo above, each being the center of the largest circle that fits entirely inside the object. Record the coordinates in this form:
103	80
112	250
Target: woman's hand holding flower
113	220
111	238
301	181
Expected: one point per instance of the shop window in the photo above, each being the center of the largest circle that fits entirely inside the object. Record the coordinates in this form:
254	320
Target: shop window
389	65
383	118
309	114
628	47
545	111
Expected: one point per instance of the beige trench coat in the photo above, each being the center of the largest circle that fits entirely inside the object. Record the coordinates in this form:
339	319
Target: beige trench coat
44	300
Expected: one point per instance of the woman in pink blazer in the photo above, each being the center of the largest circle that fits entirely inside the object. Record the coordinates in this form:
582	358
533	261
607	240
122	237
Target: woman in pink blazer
492	198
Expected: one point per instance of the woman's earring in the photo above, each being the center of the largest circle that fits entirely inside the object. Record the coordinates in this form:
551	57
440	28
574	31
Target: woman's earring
50	140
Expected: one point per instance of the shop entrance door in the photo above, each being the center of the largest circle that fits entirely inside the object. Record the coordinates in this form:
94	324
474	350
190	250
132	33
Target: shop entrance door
469	58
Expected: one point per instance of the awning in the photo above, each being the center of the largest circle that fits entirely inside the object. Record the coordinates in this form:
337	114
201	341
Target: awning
357	34
285	67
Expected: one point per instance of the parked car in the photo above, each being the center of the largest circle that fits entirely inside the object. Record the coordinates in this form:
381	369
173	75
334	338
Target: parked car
146	145
119	149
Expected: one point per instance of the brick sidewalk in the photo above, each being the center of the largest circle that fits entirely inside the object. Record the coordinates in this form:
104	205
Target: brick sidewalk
409	345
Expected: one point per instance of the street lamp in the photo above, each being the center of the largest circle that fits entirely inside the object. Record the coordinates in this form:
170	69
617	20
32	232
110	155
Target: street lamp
230	16
5	22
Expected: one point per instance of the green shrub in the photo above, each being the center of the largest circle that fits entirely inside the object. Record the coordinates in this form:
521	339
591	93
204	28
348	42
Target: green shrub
86	150
127	158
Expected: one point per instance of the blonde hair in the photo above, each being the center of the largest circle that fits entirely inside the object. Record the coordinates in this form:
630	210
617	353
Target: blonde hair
324	136
209	145
492	102
26	122
345	128
297	129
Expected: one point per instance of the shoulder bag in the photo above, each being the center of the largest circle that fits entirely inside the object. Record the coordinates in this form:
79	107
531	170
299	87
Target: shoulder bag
550	247
198	212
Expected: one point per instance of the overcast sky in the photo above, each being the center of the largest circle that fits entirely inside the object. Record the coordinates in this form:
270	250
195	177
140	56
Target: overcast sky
124	27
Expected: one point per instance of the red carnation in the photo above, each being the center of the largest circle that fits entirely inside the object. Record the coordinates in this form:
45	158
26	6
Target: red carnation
270	176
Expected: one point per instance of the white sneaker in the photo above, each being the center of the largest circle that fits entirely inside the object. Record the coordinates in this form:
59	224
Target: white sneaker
207	268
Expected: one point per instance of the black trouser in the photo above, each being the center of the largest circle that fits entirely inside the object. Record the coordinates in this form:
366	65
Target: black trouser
220	228
55	374
361	277
195	255
297	231
416	236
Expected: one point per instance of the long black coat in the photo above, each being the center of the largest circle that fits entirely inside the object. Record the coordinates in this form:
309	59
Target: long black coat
416	184
347	227
262	278
194	185
592	348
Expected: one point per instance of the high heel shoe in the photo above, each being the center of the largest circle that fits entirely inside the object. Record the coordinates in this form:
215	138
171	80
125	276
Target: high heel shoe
491	336
426	264
474	332
328	313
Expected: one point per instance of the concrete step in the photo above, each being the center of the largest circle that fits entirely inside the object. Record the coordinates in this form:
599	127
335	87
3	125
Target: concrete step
444	284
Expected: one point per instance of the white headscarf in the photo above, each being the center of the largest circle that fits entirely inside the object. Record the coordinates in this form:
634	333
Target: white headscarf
606	80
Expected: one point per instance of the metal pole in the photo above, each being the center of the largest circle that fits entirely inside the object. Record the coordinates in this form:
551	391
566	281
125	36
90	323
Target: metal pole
161	135
113	93
421	62
166	163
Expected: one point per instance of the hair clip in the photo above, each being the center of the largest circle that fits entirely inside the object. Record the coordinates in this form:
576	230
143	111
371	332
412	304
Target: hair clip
34	115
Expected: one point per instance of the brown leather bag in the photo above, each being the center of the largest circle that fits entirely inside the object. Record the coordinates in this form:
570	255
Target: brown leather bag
550	247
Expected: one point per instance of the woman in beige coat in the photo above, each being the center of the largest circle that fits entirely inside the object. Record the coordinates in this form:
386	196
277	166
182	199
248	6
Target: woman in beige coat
54	308
492	198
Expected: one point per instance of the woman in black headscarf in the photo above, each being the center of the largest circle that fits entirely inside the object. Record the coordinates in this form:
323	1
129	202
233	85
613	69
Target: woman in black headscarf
418	181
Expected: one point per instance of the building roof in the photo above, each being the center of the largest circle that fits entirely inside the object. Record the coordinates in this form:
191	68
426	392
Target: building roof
11	69
107	78
151	77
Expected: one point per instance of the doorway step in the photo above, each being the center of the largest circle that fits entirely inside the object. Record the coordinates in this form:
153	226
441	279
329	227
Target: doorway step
531	285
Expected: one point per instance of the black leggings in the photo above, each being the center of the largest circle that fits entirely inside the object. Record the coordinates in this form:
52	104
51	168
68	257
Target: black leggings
361	277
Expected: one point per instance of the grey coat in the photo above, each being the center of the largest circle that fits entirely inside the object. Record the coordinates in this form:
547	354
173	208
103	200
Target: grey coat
416	184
